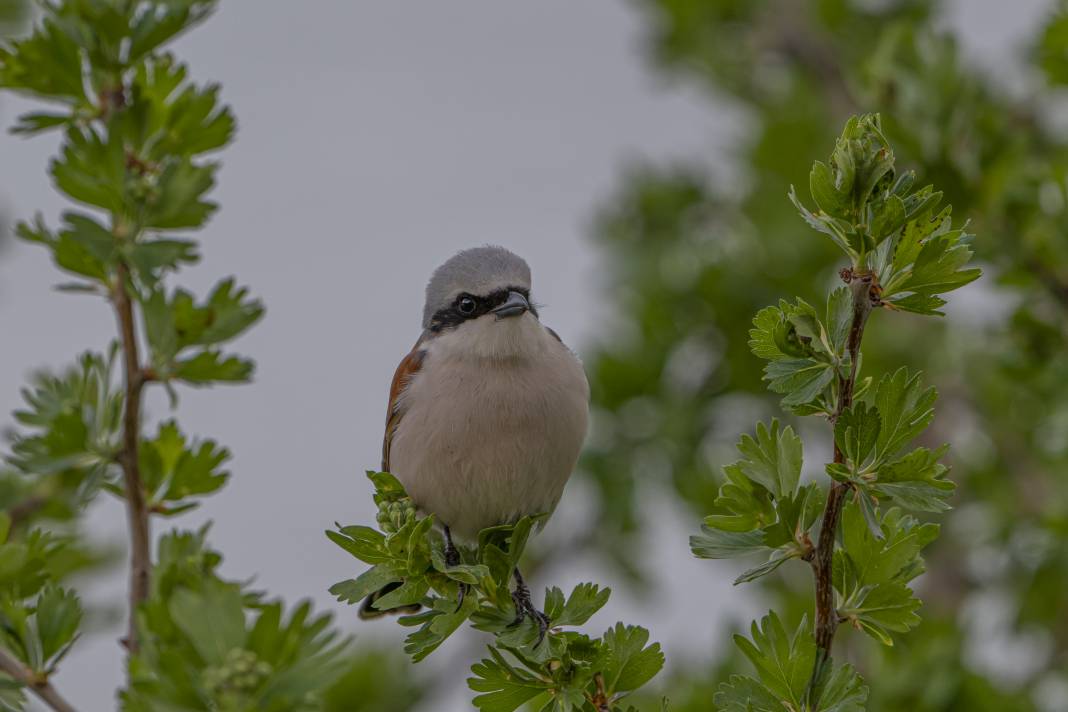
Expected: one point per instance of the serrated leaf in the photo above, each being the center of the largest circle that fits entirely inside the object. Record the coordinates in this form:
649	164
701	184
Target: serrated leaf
856	433
58	615
630	662
365	543
783	663
718	544
370	581
213	619
585	600
504	687
841	690
744	694
905	407
801	380
778	558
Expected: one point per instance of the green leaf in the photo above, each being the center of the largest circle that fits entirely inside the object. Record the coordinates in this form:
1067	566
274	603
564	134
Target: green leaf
370	581
436	625
778	558
916	481
211	366
630	662
165	22
906	409
801	380
92	169
411	591
856	432
882	608
772	460
174	470
783	664
39	122
58	615
150	259
718	544
744	694
504	687
47	64
841	690
889	218
892	559
585	600
825	191
365	543
750	505
177	200
838	319
213	619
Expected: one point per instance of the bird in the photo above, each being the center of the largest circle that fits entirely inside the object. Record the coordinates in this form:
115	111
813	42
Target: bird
489	410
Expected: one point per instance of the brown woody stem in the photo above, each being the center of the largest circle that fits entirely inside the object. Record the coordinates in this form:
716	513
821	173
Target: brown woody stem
38	684
136	509
865	296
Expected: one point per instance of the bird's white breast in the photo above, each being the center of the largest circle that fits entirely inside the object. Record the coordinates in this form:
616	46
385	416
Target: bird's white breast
493	424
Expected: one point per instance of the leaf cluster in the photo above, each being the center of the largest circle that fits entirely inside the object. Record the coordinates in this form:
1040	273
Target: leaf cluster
903	255
784	666
764	508
884	226
561	671
39	620
212	644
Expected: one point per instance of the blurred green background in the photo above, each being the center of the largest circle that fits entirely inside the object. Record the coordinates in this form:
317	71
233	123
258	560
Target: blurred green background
696	255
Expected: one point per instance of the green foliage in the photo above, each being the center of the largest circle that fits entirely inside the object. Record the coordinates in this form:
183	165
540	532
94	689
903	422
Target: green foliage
559	671
692	256
134	131
886	231
765	508
72	426
213	645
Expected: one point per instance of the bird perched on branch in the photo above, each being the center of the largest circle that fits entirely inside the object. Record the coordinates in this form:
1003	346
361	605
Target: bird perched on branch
488	412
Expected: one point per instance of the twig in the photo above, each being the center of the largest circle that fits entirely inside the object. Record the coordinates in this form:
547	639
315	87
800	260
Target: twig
136	510
37	683
600	699
865	291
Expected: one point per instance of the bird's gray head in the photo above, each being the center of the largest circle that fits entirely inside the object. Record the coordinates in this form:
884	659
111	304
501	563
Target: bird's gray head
474	283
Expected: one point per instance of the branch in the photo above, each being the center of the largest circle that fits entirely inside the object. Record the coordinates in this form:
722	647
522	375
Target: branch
865	296
37	683
136	510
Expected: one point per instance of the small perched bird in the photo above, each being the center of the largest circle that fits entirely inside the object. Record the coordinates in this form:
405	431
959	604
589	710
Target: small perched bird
488	412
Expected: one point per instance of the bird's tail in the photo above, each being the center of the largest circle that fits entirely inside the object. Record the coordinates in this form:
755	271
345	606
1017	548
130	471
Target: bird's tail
368	611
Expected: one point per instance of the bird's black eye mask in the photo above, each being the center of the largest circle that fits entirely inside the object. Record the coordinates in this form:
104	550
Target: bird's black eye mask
468	306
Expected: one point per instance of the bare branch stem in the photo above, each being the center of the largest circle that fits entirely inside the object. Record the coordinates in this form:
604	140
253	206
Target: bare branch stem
39	685
136	509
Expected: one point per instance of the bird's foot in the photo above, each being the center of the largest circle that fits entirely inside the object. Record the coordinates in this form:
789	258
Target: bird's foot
524	607
452	558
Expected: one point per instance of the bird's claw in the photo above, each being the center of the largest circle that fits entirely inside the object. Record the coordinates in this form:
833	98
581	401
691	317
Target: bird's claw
464	588
452	558
524	607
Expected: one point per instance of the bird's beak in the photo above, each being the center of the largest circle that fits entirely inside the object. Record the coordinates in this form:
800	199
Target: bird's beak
515	305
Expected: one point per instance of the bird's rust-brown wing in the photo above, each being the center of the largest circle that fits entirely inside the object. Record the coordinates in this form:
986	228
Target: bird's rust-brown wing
407	369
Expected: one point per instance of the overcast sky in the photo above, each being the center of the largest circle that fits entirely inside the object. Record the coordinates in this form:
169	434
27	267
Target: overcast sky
376	139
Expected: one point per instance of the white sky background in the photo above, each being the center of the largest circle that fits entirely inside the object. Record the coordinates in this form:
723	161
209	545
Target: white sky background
375	140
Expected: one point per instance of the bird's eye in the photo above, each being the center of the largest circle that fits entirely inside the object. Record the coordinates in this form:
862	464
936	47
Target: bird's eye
466	305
